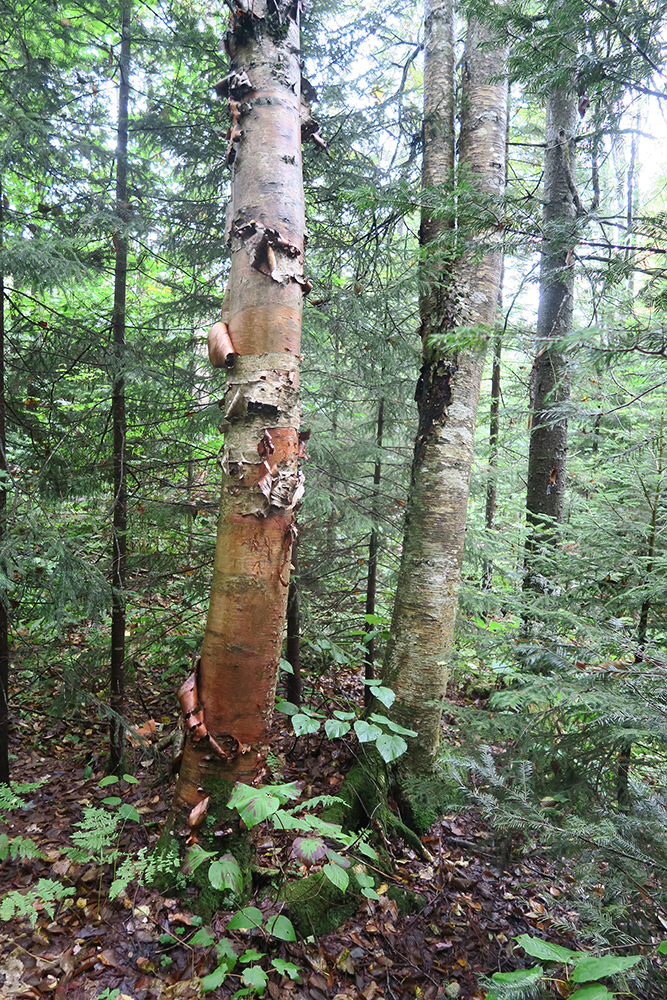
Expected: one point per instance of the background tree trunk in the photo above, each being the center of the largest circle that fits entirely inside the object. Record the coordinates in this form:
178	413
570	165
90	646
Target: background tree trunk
371	580
236	680
422	629
4	622
119	543
494	428
549	382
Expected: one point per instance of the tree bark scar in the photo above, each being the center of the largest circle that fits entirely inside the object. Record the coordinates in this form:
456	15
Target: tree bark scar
433	395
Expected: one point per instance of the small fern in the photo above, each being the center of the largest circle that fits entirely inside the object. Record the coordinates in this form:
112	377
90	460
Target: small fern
27	904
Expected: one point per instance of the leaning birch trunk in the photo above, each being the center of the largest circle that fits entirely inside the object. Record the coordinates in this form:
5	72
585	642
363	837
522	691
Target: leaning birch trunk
549	384
422	629
229	701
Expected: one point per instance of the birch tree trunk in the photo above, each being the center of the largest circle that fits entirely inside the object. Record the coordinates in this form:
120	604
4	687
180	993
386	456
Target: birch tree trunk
229	701
119	541
422	629
549	382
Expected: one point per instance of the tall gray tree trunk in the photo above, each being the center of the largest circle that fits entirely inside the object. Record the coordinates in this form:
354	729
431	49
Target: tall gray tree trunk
422	628
549	380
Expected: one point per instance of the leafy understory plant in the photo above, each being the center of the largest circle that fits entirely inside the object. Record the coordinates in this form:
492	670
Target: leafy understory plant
254	978
386	734
576	974
257	804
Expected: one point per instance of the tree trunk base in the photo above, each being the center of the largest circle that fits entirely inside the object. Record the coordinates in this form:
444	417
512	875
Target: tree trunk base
220	832
365	793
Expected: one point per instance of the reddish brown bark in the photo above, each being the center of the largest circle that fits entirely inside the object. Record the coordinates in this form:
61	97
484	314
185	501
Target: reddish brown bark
261	485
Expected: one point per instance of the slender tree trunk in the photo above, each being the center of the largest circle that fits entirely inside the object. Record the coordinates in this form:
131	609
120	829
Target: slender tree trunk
494	428
229	701
549	381
119	544
4	623
294	629
422	629
371	582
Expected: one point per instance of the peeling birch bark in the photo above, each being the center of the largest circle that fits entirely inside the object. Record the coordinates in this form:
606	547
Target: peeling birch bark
424	616
261	488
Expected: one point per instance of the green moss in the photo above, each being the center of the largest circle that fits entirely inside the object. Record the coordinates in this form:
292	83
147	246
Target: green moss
317	907
406	900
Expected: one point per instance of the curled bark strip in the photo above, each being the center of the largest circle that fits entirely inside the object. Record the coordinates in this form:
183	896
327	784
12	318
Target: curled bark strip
266	445
198	813
193	713
290	535
221	351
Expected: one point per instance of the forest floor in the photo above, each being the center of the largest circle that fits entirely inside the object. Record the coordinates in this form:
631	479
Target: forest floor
473	899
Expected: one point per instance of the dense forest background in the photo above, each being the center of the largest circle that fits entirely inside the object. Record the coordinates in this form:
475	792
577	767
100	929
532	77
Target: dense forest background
555	726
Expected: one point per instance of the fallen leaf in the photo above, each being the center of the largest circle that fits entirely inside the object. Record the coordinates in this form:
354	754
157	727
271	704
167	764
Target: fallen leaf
108	957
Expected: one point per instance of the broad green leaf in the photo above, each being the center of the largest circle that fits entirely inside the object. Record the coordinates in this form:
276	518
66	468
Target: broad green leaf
385	695
112	800
309	849
545	951
250	955
369	893
214	979
286	968
287	792
283	820
390	747
366	731
131	780
375	682
303	724
365	880
127	811
662	948
110	779
344	716
599	968
246	919
286	707
225	873
253	804
203	938
281	927
338	859
225	952
596	991
194	857
337	876
394	726
335	728
286	666
256	978
520	977
367	850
